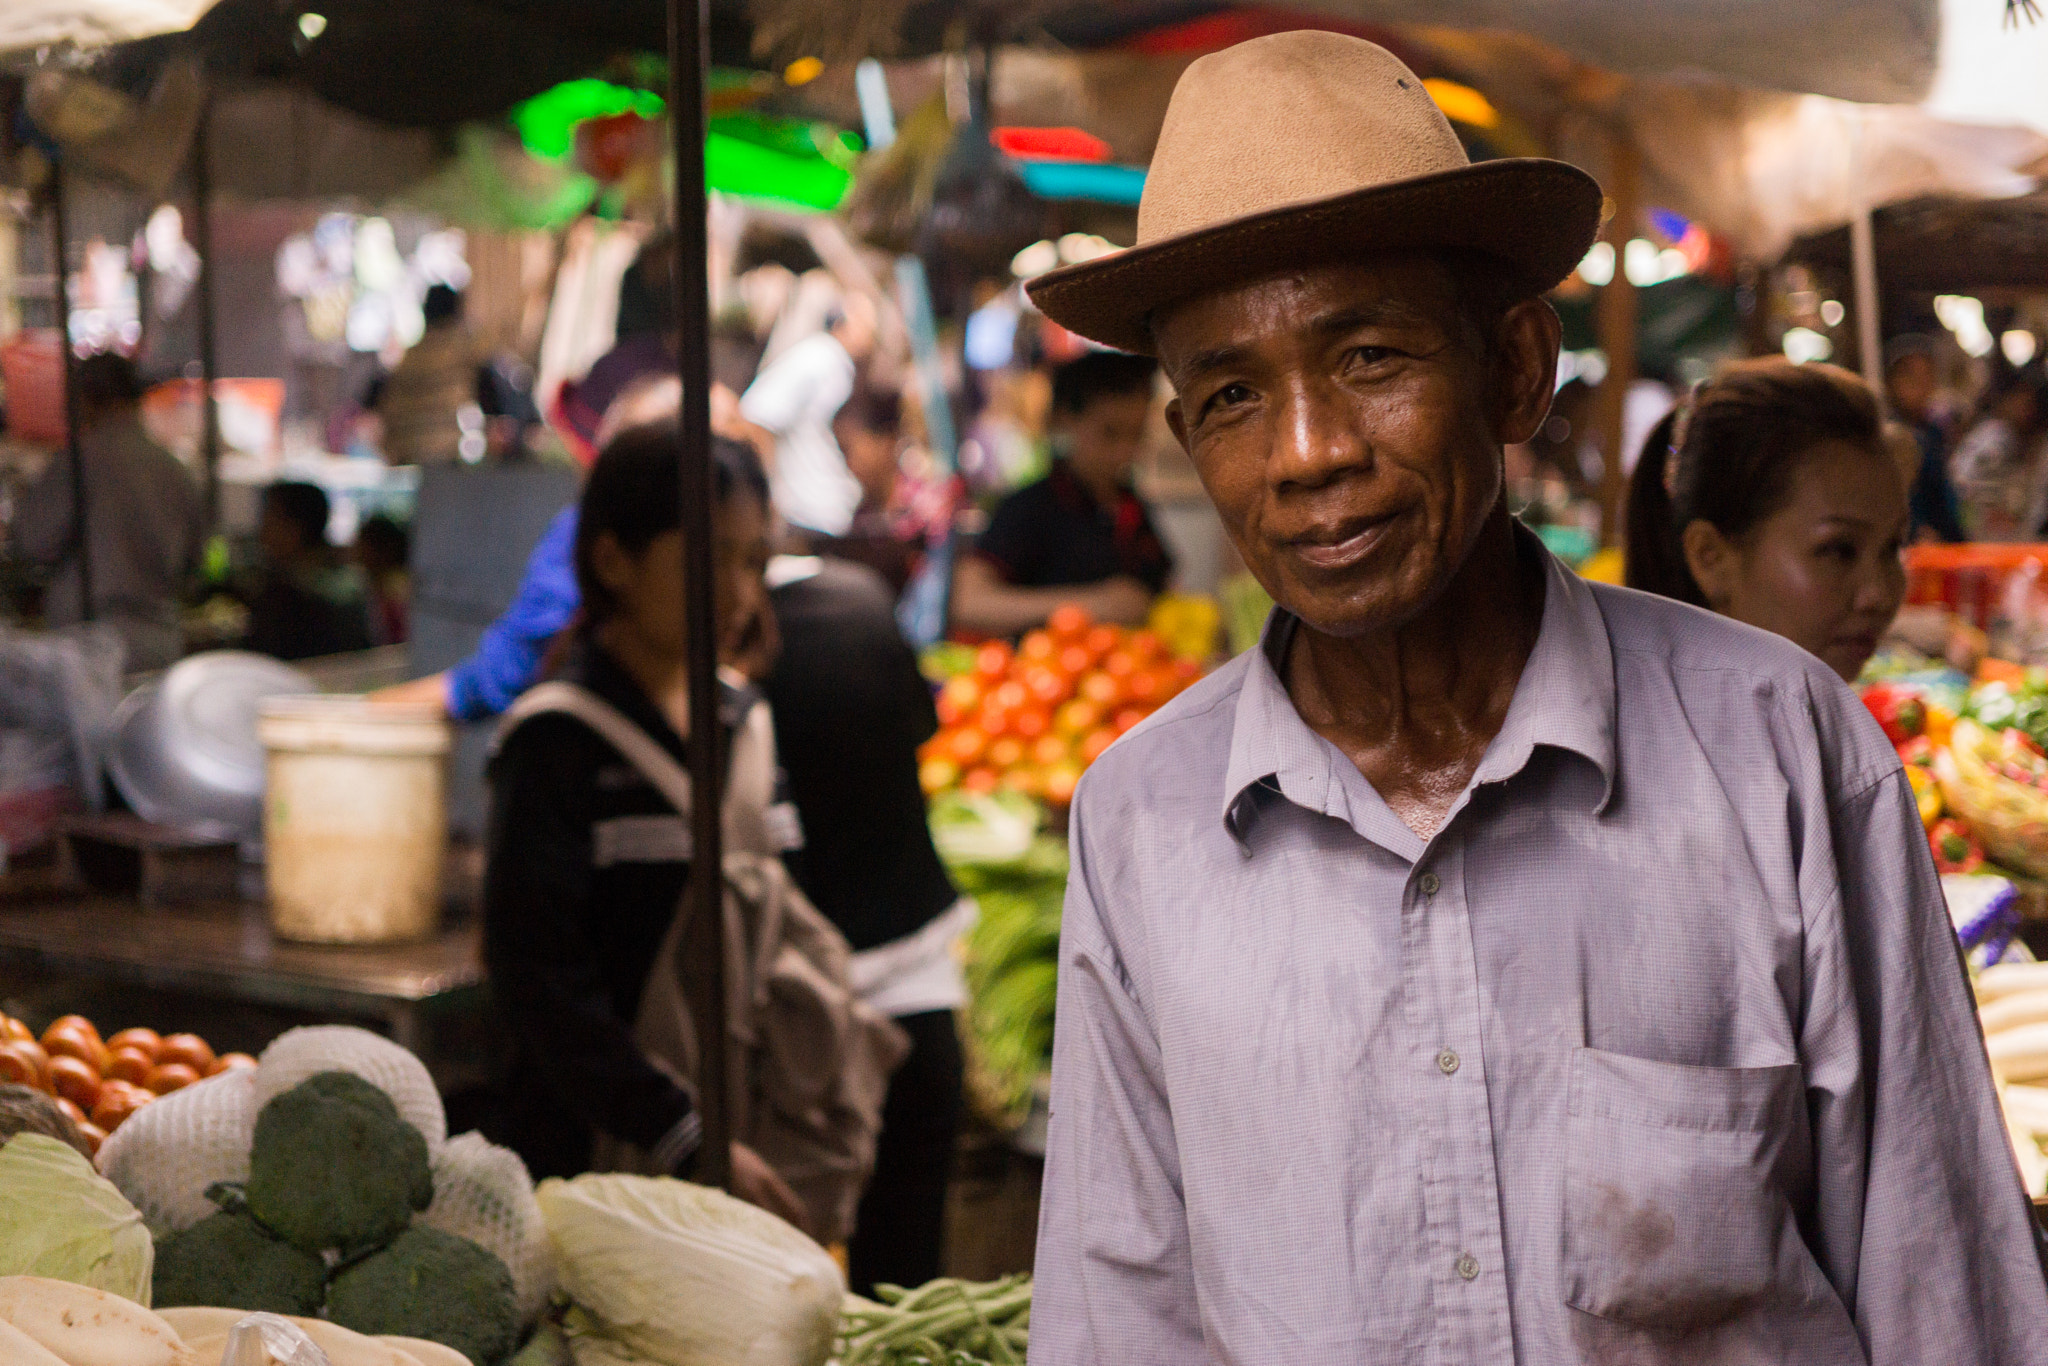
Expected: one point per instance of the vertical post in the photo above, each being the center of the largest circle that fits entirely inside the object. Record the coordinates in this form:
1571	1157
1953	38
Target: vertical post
1615	320
81	542
1863	264
704	981
209	358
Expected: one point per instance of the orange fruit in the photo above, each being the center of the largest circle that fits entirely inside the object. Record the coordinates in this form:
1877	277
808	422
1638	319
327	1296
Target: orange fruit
1059	783
933	775
1077	717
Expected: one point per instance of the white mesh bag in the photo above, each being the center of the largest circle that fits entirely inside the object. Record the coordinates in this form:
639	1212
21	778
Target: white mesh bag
165	1155
483	1193
298	1054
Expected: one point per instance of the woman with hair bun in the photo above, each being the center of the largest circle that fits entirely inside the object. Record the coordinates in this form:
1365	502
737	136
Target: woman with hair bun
1769	496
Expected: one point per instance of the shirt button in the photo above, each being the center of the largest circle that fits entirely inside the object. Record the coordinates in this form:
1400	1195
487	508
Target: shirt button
1429	884
1447	1062
1468	1267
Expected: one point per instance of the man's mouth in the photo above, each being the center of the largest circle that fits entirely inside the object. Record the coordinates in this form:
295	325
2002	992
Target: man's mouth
1340	547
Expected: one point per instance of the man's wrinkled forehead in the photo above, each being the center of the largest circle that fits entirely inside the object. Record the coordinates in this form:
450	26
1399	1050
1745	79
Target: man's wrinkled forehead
1214	329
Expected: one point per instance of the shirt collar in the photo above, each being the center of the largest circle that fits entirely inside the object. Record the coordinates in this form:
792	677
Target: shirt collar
1565	699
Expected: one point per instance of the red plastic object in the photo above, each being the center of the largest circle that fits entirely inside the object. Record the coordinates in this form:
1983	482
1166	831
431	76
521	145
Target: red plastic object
1050	144
1968	579
32	362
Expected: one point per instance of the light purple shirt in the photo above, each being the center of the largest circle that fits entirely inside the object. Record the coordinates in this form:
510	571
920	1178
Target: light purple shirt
1660	1051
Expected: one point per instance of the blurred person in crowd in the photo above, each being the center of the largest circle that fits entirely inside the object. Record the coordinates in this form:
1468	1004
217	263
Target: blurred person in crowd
793	400
445	400
1912	384
868	429
1995	464
383	553
645	348
145	522
1772	496
1081	534
306	600
578	897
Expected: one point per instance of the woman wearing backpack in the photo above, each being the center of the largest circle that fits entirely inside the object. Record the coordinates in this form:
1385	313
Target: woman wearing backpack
588	856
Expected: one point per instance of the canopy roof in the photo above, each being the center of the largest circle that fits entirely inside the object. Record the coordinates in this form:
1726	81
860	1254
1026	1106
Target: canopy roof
26	25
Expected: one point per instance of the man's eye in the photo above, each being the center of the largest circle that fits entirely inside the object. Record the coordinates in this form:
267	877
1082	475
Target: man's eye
1372	355
1229	396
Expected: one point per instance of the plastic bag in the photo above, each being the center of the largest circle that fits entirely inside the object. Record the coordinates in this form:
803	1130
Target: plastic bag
268	1340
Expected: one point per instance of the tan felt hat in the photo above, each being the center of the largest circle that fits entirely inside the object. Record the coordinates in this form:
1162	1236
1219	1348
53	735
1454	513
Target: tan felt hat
1302	148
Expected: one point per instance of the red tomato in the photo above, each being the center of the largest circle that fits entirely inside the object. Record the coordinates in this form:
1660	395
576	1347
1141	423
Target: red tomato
1104	691
1049	750
118	1100
171	1076
1011	696
1146	646
965	746
1077	717
74	1024
1005	752
992	662
75	1043
1037	647
148	1040
1074	660
130	1064
11	1028
1024	779
189	1049
1127	718
1069	621
1119	664
72	1112
1145	688
1030	723
964	693
1059	783
1102	640
1048	686
983	780
1095	742
24	1063
75	1081
93	1135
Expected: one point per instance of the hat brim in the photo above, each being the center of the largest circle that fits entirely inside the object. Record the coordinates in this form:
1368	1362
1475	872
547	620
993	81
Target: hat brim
1530	212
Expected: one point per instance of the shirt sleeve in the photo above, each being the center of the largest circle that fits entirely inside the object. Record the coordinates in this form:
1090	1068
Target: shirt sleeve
807	380
508	658
1115	1274
545	973
1923	1226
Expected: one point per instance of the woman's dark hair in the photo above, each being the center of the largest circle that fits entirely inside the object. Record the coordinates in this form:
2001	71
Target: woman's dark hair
305	506
1100	374
1727	456
634	493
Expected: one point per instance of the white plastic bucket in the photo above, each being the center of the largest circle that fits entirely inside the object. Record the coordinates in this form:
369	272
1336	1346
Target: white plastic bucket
355	818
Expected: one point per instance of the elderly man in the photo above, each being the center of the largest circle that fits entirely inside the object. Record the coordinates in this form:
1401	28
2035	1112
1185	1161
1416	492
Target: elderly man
1491	967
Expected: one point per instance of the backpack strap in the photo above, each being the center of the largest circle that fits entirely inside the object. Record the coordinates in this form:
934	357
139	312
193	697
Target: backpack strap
634	745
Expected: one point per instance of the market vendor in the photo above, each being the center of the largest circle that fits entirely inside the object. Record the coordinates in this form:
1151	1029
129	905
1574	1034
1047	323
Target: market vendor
144	521
1490	966
1770	496
1081	534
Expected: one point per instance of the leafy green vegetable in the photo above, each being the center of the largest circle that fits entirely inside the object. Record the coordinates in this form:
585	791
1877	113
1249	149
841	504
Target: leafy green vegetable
229	1261
333	1167
941	1323
433	1285
61	1219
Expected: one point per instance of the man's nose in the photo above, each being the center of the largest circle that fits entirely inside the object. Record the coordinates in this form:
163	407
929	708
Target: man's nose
1317	439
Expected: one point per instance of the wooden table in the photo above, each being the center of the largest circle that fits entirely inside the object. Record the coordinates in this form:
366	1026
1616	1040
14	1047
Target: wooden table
226	950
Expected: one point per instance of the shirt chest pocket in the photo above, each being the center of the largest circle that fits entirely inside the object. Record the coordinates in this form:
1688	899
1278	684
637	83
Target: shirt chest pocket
1672	1219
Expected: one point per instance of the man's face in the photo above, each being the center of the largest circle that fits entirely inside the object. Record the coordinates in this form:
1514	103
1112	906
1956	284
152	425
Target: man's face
1104	439
1349	429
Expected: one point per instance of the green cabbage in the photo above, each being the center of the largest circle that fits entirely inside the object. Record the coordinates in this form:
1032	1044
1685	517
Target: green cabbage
61	1219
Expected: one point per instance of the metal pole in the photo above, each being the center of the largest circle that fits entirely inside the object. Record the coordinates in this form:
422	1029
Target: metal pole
81	542
1615	319
704	902
209	359
1863	264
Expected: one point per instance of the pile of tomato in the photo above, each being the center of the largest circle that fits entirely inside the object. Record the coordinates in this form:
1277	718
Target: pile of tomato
99	1083
1032	719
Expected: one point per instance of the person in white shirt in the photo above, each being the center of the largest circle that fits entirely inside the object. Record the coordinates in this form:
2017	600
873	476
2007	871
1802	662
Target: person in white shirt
793	400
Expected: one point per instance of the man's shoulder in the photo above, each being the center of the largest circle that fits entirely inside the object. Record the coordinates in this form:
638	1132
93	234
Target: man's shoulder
1181	750
1722	672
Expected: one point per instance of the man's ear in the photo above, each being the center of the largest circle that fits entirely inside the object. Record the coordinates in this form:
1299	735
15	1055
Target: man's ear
1713	560
1525	369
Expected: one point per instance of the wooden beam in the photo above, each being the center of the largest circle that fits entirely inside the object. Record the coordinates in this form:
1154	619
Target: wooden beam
1615	325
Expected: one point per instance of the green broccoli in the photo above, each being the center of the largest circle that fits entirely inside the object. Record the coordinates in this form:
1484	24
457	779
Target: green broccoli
433	1285
333	1167
228	1261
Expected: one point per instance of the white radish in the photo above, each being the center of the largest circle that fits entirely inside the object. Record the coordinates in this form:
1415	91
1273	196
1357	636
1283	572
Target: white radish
2021	1053
87	1327
193	1324
424	1352
2008	1012
2006	979
19	1349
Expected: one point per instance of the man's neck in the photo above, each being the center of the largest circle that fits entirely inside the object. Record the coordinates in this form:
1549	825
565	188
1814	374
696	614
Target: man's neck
1415	706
